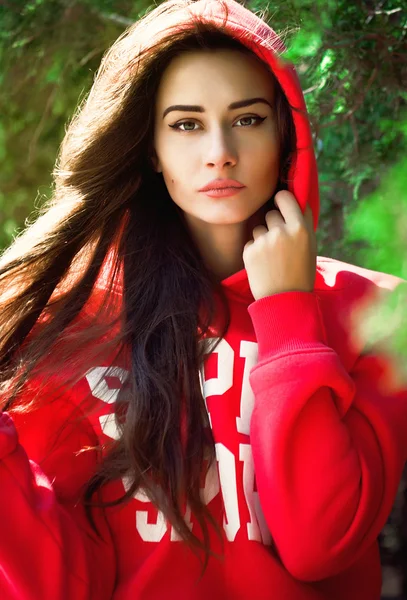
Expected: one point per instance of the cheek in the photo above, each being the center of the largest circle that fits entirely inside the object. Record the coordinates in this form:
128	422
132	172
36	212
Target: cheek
264	148
272	155
170	178
176	169
265	162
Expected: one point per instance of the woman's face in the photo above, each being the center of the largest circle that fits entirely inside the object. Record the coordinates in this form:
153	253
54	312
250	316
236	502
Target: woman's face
194	147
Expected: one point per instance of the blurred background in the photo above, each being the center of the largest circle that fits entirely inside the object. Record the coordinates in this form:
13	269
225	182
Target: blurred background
351	57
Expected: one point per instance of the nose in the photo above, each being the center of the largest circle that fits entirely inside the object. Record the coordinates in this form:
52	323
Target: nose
221	151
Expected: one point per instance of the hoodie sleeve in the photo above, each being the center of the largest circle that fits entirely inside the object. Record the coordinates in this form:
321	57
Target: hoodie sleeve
328	446
47	548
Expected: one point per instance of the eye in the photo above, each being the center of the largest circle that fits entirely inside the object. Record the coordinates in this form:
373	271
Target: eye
257	119
177	126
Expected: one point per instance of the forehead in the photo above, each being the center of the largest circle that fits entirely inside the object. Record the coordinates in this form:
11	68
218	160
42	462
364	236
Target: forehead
222	71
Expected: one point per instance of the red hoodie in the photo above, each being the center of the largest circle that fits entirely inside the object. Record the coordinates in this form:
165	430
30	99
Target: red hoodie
310	443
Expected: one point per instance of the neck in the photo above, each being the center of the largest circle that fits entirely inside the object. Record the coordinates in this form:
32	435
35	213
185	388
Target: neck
221	246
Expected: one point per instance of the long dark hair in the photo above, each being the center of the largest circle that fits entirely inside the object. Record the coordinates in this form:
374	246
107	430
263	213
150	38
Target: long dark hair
111	218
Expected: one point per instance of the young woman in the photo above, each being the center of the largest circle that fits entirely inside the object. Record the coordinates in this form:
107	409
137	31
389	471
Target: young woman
185	411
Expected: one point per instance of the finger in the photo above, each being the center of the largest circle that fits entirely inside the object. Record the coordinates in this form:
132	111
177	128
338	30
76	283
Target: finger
274	219
288	206
258	231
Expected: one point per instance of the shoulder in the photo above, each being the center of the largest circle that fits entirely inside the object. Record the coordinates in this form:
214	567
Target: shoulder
335	275
343	285
347	294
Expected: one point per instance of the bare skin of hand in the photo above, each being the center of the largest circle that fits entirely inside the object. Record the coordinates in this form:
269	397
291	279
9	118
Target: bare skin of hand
282	257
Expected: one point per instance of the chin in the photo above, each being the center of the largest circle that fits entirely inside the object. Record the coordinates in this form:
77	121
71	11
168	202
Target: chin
228	220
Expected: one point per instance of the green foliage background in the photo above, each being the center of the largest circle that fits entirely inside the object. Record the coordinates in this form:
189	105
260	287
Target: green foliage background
352	61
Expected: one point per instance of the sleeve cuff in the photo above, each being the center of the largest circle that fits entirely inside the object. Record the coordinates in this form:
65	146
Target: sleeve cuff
287	322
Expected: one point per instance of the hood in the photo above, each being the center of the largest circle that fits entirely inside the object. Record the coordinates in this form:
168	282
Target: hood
259	37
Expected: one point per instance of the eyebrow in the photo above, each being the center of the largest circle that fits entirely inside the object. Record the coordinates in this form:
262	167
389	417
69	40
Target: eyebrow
200	109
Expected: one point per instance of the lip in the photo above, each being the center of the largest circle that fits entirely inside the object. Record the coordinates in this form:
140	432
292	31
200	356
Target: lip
223	192
219	184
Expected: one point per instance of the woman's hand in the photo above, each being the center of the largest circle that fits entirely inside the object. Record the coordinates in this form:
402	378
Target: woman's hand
282	257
